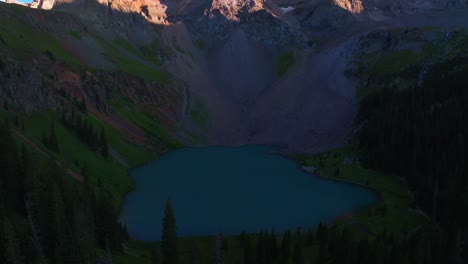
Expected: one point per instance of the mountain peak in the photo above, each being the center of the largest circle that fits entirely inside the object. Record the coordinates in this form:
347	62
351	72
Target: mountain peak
231	8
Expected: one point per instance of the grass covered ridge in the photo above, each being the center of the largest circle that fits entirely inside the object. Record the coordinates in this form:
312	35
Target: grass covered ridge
24	42
76	155
134	66
152	127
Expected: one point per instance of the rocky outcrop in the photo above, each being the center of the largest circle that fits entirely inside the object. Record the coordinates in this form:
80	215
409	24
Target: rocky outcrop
151	10
164	12
42	4
353	6
261	20
14	2
231	8
326	16
382	9
371	9
37	4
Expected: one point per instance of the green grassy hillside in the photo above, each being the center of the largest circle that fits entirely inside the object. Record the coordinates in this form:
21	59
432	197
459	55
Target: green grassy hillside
24	33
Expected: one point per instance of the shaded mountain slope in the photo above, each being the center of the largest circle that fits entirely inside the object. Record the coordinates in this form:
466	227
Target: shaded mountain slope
213	73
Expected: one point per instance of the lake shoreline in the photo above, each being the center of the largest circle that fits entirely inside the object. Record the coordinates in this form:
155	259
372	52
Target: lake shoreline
347	216
280	170
394	206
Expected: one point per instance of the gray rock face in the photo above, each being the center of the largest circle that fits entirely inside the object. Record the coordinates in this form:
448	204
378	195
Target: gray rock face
231	8
373	9
233	76
246	61
261	20
380	9
43	4
327	16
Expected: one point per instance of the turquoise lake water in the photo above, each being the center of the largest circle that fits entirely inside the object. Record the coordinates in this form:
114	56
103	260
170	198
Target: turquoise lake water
228	190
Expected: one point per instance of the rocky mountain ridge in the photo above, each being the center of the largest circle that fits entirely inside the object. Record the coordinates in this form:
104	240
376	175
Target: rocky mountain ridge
241	72
231	8
165	12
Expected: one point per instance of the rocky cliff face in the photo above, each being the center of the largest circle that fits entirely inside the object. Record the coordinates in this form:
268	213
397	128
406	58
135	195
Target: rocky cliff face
231	8
43	4
224	57
374	9
50	85
164	12
259	24
215	19
153	11
396	8
353	6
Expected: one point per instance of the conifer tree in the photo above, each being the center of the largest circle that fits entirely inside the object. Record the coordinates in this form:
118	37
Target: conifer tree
109	231
195	257
85	174
286	246
16	121
44	140
9	167
272	246
261	249
298	257
169	236
155	258
10	243
104	144
248	251
242	238
218	256
82	105
59	223
84	231
310	237
53	137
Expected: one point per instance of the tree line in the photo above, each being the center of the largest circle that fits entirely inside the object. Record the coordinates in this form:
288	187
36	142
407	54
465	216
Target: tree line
86	132
328	244
421	134
46	216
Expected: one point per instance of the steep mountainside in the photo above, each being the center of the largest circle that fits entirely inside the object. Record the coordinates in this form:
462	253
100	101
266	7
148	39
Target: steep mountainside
245	71
47	57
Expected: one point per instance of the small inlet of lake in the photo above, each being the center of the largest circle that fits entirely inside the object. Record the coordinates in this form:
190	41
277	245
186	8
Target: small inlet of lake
228	190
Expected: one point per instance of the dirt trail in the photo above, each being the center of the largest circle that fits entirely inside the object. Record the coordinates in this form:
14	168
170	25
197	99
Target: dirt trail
70	172
134	133
119	158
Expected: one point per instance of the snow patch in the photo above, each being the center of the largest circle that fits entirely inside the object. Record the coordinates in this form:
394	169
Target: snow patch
287	9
